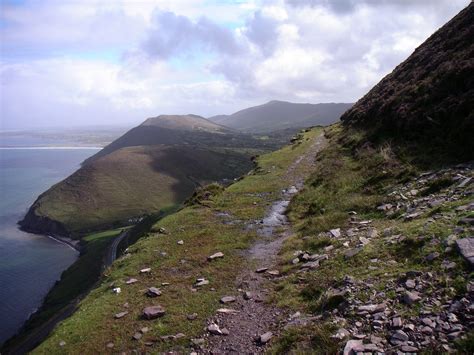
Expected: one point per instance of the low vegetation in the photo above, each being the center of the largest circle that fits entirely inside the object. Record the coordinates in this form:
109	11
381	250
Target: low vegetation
203	230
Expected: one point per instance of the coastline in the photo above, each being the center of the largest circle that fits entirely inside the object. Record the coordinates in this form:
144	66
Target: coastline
71	243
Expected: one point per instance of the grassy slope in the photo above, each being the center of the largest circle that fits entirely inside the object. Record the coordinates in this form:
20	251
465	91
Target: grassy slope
358	180
134	181
93	326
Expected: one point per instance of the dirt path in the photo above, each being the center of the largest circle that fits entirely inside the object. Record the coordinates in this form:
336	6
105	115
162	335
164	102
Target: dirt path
254	317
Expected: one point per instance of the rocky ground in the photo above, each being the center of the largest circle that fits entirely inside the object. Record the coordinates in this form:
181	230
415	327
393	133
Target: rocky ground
415	310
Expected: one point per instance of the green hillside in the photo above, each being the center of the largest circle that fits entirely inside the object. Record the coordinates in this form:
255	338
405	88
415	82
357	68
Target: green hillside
281	115
152	167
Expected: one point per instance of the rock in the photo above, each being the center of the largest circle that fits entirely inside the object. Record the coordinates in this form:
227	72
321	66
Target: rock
180	242
432	256
466	248
310	265
336	233
409	349
351	253
227	299
110	345
385	207
341	334
131	281
198	341
427	330
145	270
410	284
273	272
62	343
399	336
248	295
215	256
353	347
201	282
153	292
227	311
144	330
428	322
465	182
372	308
261	270
397	322
117	290
372	233
137	336
364	241
411	297
329	248
120	315
265	338
162	230
214	329
192	316
295	261
153	312
467	220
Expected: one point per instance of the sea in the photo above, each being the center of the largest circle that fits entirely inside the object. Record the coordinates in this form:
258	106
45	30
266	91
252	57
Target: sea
30	264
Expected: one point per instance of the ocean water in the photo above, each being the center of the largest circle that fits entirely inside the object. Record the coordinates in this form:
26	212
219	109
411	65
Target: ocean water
29	264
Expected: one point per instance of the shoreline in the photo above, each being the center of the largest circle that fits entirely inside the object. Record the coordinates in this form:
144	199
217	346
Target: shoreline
66	241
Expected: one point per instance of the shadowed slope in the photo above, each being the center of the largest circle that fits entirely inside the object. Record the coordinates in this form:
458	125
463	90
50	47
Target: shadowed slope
429	98
279	115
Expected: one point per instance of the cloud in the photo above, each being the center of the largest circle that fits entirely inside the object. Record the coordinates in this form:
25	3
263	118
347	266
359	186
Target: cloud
172	35
72	63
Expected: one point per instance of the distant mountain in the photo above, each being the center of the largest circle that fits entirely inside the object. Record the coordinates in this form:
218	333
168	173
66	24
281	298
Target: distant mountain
428	99
152	167
177	129
280	115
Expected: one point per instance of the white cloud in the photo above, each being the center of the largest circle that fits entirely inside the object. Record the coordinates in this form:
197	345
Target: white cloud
99	61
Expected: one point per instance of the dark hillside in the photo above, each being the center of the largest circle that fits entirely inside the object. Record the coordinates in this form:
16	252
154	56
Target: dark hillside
280	115
429	98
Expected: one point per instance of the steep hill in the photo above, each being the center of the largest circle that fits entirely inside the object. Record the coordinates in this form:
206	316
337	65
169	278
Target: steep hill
152	167
429	98
176	129
279	115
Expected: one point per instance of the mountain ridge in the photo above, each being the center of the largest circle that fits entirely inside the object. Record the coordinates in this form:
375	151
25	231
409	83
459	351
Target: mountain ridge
278	115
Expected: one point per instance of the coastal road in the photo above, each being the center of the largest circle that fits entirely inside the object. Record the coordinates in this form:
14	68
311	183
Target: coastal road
112	251
36	336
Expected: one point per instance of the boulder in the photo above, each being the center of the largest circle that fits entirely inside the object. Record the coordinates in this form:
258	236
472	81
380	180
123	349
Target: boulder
153	312
466	248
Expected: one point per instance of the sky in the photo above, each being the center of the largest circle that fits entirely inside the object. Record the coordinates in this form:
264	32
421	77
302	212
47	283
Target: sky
71	63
